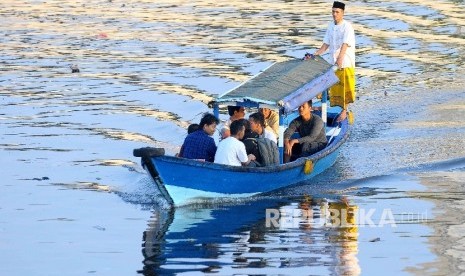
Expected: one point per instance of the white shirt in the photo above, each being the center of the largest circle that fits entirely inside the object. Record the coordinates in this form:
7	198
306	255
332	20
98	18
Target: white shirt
225	127
335	36
270	135
231	151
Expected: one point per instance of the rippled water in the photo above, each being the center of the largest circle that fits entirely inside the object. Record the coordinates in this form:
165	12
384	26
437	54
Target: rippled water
294	237
74	199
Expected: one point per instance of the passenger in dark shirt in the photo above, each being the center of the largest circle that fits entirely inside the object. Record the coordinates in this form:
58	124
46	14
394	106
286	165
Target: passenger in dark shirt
265	151
199	144
311	130
191	128
251	146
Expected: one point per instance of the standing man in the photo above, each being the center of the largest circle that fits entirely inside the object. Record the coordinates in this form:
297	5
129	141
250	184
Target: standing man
340	40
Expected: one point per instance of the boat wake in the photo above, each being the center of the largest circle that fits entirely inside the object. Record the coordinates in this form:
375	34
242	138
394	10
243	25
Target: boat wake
447	165
143	192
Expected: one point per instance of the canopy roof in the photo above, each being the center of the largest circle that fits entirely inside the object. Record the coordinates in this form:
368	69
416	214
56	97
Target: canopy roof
283	80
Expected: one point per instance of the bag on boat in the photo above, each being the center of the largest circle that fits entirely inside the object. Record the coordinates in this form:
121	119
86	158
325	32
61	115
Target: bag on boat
343	93
269	151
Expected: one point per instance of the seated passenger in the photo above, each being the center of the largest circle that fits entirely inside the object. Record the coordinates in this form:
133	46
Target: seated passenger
199	144
251	145
312	133
266	151
271	120
191	128
231	151
235	113
257	123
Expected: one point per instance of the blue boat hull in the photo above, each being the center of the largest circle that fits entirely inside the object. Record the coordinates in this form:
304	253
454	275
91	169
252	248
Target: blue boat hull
184	181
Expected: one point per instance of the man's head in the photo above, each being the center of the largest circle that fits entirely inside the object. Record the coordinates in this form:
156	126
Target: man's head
305	110
208	123
192	128
238	128
248	128
236	112
257	122
338	11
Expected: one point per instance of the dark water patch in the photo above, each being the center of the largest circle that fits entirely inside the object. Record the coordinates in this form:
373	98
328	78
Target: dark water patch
389	64
418	10
39	149
388	24
57	219
405	44
38	178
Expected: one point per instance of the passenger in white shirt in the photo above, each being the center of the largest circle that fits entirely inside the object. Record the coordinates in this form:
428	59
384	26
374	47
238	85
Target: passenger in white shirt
235	113
231	151
257	124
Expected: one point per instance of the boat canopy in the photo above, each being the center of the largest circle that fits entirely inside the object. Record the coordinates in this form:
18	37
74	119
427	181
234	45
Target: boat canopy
286	84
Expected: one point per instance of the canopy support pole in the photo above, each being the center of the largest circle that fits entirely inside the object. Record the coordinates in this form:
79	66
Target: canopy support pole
324	107
216	110
281	135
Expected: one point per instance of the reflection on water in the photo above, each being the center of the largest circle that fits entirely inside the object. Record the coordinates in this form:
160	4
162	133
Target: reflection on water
317	236
246	239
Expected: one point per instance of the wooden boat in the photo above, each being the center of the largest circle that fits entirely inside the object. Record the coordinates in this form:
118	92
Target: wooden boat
283	87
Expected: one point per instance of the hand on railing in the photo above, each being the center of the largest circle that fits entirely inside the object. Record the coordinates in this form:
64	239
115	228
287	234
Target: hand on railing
308	56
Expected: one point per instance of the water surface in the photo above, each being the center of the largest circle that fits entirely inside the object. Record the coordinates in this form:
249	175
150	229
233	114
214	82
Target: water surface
74	200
